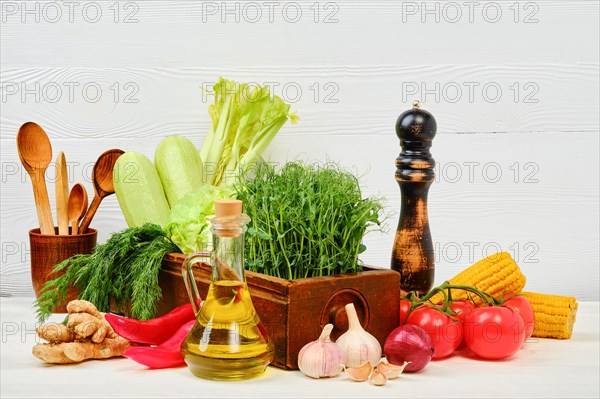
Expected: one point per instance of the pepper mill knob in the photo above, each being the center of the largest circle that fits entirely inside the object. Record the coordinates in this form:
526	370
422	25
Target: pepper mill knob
412	255
416	124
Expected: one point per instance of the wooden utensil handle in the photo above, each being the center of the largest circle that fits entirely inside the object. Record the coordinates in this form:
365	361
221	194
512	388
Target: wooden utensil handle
63	220
62	195
89	214
74	227
42	203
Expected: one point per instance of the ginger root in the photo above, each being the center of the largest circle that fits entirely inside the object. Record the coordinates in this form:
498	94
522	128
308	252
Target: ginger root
55	332
87	335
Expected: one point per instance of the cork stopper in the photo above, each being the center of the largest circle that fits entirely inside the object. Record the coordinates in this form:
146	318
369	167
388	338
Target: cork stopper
228	208
227	221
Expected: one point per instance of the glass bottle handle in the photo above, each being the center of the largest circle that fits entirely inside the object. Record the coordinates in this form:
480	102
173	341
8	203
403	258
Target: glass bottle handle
188	277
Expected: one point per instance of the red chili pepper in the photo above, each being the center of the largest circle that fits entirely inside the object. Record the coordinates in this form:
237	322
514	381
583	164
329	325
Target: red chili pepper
166	355
153	331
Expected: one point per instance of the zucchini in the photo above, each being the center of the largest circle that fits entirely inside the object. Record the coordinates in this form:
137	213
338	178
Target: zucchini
139	190
179	166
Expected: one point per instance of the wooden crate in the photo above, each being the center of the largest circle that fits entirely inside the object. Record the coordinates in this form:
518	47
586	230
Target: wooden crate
295	311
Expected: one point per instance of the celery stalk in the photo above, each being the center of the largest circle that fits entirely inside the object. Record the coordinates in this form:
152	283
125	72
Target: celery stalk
244	121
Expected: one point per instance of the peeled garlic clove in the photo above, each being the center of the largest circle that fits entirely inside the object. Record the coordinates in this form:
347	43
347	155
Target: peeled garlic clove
377	378
358	345
321	358
391	371
361	373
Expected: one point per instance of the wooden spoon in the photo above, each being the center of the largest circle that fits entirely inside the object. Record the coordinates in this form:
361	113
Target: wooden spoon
62	195
35	152
78	203
102	177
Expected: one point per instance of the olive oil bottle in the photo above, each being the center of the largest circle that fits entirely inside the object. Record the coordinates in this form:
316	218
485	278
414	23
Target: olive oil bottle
228	341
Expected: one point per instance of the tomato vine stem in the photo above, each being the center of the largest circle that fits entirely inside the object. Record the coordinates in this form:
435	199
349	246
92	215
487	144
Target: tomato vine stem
446	290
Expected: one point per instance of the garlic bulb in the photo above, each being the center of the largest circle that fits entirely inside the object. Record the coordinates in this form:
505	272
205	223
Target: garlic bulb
358	345
321	358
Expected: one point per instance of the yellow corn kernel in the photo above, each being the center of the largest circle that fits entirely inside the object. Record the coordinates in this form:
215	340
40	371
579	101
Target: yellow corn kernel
495	275
554	315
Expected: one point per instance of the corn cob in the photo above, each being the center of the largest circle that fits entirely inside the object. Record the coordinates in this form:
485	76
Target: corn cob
554	315
496	274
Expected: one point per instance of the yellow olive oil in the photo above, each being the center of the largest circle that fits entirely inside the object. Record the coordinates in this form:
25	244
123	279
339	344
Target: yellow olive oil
228	341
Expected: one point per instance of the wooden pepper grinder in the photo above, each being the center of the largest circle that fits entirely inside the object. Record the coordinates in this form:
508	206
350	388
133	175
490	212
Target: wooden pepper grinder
412	254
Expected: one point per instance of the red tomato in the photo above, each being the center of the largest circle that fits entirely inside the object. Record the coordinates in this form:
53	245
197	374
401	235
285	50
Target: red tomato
522	305
494	332
446	334
404	310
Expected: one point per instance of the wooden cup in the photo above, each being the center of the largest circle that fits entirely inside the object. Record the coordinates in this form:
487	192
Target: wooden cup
49	250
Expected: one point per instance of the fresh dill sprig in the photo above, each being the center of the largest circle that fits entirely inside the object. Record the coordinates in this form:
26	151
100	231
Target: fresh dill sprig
55	291
123	272
143	278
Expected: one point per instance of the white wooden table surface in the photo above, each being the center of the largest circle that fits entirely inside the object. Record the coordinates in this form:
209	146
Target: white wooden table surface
544	368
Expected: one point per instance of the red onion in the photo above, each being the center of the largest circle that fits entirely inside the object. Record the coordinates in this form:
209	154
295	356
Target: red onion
409	343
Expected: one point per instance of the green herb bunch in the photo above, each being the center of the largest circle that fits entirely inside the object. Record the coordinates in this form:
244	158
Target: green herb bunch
124	270
307	220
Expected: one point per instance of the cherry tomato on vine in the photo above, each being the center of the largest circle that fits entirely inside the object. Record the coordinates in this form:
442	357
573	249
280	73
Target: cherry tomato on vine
522	305
494	332
404	310
446	334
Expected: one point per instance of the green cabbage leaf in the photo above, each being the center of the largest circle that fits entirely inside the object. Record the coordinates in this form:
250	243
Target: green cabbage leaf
189	221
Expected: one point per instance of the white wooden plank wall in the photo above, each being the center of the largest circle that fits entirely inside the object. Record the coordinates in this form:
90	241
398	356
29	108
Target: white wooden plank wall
513	86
